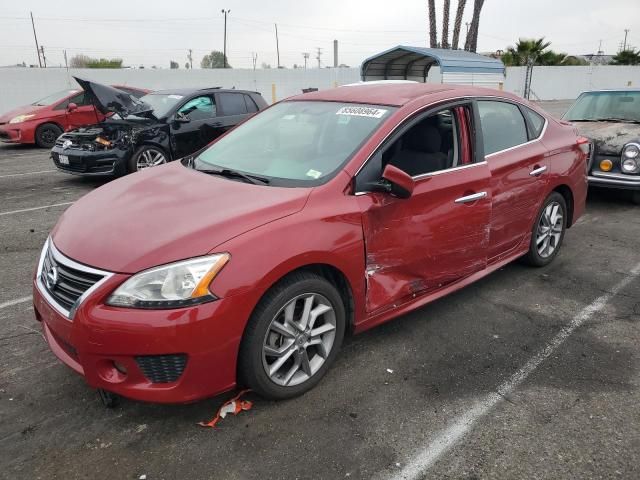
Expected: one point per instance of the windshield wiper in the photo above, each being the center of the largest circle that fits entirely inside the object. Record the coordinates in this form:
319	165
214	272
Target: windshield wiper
229	173
616	119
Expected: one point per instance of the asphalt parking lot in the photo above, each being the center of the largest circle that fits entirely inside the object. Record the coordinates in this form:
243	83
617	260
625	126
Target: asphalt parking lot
529	373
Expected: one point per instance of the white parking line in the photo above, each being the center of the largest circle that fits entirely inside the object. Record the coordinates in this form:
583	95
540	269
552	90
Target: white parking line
424	459
35	208
28	173
14	302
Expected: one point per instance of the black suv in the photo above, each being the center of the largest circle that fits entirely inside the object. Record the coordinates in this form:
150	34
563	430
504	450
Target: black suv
157	128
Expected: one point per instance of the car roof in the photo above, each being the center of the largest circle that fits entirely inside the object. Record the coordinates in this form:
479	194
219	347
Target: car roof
397	94
621	89
191	91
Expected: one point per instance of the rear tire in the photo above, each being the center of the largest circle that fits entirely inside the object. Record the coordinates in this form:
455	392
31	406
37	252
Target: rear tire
47	134
283	355
548	231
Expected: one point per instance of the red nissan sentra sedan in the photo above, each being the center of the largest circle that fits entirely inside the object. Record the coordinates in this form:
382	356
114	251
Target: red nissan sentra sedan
327	213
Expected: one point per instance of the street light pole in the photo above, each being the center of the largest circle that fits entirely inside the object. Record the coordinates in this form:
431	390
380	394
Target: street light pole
224	53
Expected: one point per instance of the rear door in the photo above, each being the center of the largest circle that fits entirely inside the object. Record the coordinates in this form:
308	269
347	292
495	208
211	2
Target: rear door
518	165
438	235
234	108
197	127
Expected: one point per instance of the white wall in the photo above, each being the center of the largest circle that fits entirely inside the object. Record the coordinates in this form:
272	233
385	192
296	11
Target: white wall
20	86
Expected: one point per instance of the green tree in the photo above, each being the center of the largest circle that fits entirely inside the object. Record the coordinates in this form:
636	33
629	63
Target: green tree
105	63
537	52
214	60
173	65
630	56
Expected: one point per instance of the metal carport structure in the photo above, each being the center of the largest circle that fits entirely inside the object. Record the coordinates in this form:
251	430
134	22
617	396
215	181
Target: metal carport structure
413	63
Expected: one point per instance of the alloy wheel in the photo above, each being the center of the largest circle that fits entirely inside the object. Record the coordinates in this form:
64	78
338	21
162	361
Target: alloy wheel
150	157
299	339
550	229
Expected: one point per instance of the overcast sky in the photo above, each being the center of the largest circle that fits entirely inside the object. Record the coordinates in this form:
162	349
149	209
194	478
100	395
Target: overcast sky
155	32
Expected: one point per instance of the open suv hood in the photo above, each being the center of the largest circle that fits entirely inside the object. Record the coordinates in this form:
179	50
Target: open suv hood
108	99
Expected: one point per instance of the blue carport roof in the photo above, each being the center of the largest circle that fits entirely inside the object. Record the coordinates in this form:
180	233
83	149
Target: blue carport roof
409	61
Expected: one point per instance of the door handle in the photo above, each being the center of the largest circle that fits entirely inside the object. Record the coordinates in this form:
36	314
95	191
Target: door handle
536	172
471	198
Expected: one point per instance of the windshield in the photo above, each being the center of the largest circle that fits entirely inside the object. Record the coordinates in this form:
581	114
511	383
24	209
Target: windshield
295	143
55	97
606	105
161	103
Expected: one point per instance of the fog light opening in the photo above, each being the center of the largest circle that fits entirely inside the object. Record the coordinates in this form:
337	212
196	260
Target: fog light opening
120	367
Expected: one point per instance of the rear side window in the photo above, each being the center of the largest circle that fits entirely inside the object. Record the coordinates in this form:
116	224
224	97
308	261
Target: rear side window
503	126
536	122
233	103
251	105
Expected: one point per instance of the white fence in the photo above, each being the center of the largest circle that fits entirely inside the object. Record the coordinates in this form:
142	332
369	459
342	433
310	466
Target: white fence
20	86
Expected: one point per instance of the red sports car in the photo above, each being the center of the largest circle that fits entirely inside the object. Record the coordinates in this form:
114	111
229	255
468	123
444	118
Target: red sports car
43	121
331	212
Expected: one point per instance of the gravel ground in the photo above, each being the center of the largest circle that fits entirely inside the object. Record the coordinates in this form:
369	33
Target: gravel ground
508	378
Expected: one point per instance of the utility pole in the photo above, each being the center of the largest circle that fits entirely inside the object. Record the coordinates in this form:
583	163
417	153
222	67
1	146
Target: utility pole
44	59
36	39
319	54
277	45
624	46
66	65
254	59
306	57
335	54
224	53
190	58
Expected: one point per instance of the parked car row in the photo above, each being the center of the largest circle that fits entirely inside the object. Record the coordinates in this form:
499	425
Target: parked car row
247	261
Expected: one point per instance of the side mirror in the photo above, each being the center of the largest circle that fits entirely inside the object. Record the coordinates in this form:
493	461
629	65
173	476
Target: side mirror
72	107
181	118
400	182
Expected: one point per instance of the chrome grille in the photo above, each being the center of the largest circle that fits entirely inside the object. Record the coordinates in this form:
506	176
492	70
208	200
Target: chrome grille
65	282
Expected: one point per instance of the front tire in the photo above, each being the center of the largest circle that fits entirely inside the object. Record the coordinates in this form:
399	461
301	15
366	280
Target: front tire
293	337
47	134
548	231
147	156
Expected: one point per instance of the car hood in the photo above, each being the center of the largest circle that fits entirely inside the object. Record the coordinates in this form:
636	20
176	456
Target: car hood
609	137
24	110
108	99
166	214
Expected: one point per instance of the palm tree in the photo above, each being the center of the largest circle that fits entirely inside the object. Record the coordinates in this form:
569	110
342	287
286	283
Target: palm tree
471	42
458	24
526	51
433	34
630	56
445	24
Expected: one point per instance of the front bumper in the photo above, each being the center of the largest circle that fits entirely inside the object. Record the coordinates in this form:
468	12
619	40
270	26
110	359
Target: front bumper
100	340
88	163
11	134
614	180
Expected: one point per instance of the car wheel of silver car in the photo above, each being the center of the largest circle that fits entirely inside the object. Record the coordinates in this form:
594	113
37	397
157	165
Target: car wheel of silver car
146	157
548	231
292	337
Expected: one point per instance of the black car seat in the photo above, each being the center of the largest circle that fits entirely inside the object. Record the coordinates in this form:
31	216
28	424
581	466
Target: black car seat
421	151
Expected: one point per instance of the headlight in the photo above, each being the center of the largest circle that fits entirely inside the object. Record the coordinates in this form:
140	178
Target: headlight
171	286
631	150
630	165
21	118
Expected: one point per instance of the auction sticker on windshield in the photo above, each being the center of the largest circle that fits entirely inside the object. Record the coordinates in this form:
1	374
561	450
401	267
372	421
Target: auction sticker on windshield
362	112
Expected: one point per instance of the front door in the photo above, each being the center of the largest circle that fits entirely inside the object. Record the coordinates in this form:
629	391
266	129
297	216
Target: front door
194	126
440	234
518	166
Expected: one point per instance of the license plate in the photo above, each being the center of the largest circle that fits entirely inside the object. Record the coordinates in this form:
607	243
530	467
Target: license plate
63	159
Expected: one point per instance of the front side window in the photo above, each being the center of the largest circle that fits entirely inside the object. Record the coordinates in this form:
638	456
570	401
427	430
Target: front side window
612	106
296	143
430	145
503	126
199	108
